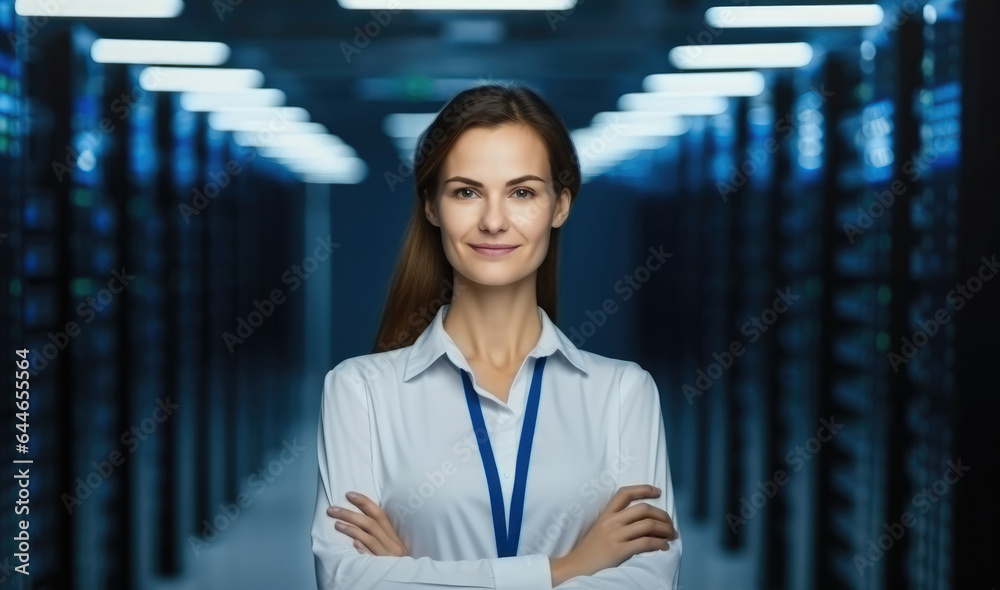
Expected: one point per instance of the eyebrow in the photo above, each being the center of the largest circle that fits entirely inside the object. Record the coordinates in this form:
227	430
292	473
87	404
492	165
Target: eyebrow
510	182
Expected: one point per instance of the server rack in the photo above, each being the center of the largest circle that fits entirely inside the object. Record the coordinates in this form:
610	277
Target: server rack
802	111
67	228
176	140
96	272
721	292
210	416
661	334
700	210
11	113
933	258
94	172
141	363
757	429
854	479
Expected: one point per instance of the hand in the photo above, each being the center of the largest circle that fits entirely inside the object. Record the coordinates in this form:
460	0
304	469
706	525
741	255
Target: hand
371	530
619	532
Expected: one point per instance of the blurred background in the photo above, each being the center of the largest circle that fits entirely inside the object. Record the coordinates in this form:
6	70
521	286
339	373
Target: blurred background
789	217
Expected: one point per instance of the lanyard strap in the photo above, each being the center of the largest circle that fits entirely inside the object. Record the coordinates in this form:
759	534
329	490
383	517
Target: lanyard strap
506	542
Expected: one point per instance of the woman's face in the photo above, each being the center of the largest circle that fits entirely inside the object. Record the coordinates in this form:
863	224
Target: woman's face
495	189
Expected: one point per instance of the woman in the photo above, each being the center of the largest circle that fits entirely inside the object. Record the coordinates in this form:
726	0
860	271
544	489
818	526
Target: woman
425	444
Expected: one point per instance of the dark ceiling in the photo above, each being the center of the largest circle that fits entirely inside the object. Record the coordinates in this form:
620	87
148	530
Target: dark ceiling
581	60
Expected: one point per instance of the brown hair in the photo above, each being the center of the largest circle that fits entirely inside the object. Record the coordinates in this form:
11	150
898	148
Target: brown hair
421	281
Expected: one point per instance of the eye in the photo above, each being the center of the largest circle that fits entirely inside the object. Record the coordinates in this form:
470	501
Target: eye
458	192
527	196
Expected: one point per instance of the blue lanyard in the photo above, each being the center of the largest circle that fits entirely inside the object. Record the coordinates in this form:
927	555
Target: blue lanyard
506	542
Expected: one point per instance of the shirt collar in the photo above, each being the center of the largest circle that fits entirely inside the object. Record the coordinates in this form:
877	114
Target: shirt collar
435	341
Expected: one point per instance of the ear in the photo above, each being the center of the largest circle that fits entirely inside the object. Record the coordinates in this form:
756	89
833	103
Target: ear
431	213
563	203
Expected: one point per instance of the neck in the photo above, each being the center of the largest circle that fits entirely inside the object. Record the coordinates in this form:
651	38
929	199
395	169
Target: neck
497	326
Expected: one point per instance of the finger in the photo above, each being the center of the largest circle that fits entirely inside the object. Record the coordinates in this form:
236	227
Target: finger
643	510
363	525
356	518
644	544
347	529
369	541
627	494
361	547
375	512
648	527
385	531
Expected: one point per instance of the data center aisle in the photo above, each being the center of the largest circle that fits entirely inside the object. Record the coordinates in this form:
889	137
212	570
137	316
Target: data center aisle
283	515
268	545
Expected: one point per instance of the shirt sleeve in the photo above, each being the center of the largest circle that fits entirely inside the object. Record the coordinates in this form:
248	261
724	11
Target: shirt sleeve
641	435
345	463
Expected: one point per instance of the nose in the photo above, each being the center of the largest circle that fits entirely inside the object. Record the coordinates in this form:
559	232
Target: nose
494	215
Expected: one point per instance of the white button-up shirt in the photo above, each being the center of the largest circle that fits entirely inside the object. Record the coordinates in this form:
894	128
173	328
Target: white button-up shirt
395	426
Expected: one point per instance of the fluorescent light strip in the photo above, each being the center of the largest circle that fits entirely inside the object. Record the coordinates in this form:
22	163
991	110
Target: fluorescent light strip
457	4
149	51
270	139
199	79
670	126
831	15
709	84
325	179
748	55
273	125
292	151
231	115
100	8
593	143
406	124
335	166
662	103
250	97
633	117
349	170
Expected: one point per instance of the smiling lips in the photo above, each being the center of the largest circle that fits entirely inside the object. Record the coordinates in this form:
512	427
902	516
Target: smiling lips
493	249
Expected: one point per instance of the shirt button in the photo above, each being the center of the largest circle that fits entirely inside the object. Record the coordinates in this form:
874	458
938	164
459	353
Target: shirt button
507	475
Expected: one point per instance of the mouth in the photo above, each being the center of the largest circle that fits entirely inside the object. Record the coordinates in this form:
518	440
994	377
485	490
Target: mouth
493	249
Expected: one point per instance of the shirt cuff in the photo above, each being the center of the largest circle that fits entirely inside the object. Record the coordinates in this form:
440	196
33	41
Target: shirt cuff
523	572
